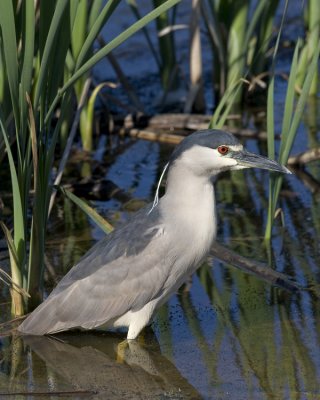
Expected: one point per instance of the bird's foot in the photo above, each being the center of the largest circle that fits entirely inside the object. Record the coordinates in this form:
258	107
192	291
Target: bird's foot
121	349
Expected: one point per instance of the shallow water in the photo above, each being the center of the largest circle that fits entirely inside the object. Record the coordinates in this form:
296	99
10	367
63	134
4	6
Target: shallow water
226	335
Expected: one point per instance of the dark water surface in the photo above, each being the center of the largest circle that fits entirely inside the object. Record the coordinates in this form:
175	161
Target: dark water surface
227	335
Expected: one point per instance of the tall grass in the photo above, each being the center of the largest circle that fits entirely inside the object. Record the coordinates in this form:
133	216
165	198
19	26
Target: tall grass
36	46
312	22
293	112
165	55
196	99
239	32
84	20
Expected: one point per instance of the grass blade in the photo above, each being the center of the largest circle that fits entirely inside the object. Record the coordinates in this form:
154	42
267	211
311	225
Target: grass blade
19	230
270	118
92	214
227	101
17	301
291	128
301	104
50	43
13	252
254	20
95	10
9	40
71	137
136	12
27	64
289	103
102	18
87	140
79	28
270	100
109	47
28	46
58	55
7	280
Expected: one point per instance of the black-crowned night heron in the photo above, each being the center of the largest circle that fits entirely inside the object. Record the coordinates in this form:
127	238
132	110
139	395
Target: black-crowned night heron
125	277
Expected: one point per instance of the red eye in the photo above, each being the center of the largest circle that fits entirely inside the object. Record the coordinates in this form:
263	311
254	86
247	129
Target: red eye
223	150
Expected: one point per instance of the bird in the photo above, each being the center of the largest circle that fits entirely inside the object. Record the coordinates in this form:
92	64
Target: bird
124	278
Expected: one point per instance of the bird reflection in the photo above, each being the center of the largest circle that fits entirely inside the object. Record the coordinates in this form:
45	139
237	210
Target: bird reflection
91	362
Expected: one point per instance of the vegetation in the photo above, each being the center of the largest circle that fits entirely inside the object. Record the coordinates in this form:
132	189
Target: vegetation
267	338
40	80
312	22
36	48
239	33
293	112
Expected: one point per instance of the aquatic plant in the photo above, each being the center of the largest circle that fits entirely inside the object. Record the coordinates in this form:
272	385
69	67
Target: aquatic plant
293	112
312	23
239	33
35	47
165	55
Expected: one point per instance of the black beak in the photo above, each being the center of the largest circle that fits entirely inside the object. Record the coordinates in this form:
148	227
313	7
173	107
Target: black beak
251	160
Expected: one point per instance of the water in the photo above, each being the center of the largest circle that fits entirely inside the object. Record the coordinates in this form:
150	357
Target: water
226	334
94	366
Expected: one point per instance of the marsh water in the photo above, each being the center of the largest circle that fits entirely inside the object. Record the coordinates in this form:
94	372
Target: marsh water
225	334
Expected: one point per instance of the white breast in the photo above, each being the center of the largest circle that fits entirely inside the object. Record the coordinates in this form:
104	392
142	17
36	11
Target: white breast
190	222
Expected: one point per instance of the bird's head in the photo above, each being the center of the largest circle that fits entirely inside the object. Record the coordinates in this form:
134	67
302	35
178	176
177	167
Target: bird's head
209	152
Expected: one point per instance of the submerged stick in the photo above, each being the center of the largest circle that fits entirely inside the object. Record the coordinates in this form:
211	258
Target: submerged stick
178	124
171	138
254	268
308	180
151	135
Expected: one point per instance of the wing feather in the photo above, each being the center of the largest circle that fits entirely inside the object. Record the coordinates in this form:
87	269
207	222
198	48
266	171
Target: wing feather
117	275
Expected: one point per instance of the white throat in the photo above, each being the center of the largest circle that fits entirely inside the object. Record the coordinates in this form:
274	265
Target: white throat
188	206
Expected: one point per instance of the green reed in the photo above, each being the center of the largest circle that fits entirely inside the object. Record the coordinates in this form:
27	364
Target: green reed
239	35
36	47
293	113
165	54
312	23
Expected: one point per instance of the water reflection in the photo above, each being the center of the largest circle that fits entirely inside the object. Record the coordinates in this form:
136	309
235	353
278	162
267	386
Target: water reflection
98	365
230	336
263	343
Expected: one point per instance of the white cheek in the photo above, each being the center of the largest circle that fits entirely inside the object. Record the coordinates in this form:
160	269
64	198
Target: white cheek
203	160
224	161
237	167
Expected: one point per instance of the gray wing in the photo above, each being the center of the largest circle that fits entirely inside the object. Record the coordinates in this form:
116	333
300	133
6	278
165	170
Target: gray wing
122	272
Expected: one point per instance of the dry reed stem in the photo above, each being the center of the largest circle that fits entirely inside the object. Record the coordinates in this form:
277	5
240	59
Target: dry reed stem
305	157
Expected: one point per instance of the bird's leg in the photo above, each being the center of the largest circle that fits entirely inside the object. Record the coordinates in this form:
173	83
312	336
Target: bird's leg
140	320
121	349
125	344
187	285
141	339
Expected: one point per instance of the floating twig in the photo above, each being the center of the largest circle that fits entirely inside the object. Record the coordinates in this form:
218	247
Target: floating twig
305	157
